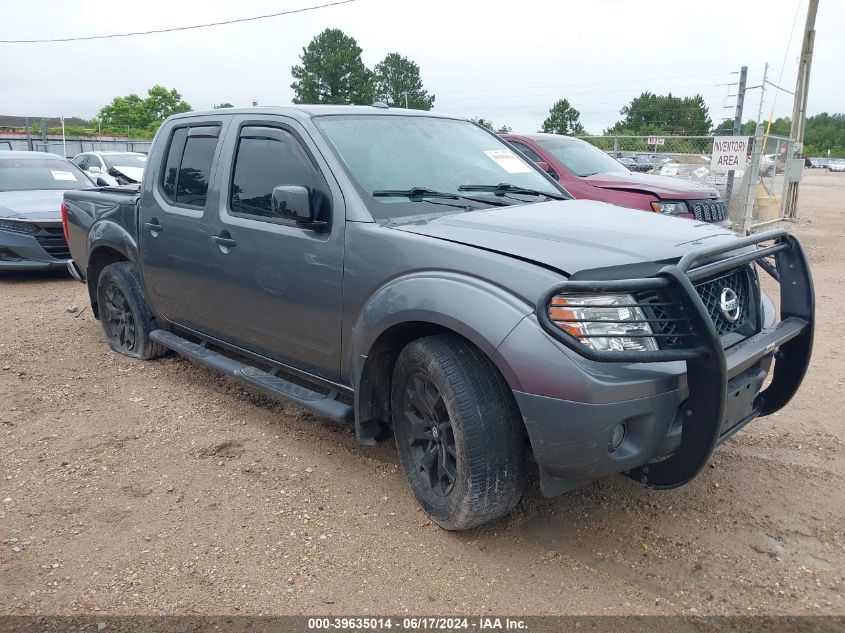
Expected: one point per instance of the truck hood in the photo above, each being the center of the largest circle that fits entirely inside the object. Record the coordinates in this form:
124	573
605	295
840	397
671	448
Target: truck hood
662	187
572	235
31	205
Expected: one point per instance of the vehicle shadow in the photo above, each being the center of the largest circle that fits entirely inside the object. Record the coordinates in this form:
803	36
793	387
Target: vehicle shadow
22	277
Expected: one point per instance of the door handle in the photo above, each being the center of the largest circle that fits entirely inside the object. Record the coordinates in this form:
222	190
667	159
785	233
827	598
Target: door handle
222	240
153	226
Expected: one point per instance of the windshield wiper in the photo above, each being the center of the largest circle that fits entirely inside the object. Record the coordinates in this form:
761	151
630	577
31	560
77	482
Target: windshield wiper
504	187
413	192
421	193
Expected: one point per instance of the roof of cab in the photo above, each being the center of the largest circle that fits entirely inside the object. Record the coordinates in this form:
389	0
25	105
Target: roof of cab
307	111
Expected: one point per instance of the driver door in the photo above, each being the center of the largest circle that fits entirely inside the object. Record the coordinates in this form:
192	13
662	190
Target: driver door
274	287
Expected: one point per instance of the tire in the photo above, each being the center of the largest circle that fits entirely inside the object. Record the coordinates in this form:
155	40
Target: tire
471	469
124	313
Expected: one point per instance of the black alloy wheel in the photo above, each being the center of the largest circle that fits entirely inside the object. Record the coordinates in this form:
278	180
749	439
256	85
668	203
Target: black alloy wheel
432	436
118	318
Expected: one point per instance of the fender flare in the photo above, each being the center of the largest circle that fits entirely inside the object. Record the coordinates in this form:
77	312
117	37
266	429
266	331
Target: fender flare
473	308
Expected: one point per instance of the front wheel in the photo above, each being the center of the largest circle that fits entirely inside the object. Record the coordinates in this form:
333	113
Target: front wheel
124	313
458	432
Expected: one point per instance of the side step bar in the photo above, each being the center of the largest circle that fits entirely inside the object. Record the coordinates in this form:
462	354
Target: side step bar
323	405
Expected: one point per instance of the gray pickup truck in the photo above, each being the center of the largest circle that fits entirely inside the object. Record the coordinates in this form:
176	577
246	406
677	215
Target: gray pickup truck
412	275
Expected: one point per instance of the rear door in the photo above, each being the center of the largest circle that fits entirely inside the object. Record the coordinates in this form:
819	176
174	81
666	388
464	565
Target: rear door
173	231
274	287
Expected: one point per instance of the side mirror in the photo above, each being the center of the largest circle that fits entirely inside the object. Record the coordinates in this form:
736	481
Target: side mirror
547	168
102	182
293	202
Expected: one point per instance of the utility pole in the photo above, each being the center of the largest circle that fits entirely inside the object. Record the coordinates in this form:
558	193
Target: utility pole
754	171
737	128
799	108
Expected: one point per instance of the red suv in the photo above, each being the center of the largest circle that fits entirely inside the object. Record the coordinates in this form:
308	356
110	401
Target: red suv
587	172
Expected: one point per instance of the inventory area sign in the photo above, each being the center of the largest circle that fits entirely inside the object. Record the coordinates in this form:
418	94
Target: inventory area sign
729	152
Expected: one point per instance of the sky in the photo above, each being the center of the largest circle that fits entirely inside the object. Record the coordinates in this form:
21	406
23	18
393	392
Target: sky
505	61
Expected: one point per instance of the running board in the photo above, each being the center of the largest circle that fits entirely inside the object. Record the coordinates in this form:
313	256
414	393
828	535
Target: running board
318	403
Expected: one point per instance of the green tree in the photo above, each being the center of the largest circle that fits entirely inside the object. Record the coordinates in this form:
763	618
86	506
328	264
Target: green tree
162	103
502	129
664	114
220	106
398	83
332	71
563	119
142	114
725	128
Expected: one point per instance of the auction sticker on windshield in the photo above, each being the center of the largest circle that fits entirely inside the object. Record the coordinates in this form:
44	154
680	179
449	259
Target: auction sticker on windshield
508	161
63	175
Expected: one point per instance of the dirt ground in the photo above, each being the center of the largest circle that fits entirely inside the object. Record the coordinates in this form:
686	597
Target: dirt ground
162	488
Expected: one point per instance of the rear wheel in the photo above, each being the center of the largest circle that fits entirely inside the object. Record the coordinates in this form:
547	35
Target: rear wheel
458	432
124	313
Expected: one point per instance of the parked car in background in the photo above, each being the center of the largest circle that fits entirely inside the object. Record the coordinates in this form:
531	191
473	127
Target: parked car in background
31	189
113	168
409	274
836	165
587	172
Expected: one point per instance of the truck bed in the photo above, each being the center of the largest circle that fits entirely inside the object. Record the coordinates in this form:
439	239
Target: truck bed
86	207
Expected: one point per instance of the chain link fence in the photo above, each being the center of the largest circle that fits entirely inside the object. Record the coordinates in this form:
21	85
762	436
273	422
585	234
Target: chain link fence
688	158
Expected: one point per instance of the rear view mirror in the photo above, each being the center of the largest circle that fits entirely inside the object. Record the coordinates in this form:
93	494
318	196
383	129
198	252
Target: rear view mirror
293	202
102	182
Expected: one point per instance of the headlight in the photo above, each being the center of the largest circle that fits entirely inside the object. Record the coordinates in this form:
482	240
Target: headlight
603	322
18	227
669	207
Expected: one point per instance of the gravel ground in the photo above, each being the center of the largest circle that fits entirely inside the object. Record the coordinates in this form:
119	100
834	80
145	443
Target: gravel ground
162	488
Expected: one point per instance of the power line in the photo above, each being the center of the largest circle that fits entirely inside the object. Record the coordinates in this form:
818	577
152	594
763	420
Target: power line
179	28
586	83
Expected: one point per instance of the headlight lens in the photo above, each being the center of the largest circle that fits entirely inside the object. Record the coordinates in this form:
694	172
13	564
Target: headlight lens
603	322
669	207
18	227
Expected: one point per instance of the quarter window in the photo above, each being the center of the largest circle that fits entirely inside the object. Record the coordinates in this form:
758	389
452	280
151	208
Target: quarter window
188	165
267	158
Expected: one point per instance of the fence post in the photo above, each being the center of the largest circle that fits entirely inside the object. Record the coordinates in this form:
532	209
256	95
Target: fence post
615	144
790	155
737	126
751	192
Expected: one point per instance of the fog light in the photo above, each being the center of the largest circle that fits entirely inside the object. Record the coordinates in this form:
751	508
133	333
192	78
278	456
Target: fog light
617	435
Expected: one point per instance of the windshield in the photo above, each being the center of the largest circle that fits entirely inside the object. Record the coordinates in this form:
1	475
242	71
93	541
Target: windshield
30	174
579	157
125	160
396	153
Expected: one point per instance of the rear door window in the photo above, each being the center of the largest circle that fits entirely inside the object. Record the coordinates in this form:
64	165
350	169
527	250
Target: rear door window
188	165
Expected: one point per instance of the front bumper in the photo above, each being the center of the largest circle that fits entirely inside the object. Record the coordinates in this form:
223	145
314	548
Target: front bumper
23	252
718	392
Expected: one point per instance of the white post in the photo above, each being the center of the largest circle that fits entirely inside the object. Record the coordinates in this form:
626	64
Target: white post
64	142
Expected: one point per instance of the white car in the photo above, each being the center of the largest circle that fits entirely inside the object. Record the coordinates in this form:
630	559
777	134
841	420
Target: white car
114	168
836	165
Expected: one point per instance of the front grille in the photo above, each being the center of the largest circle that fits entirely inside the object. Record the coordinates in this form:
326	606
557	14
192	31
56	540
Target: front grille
51	237
740	281
708	210
711	294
